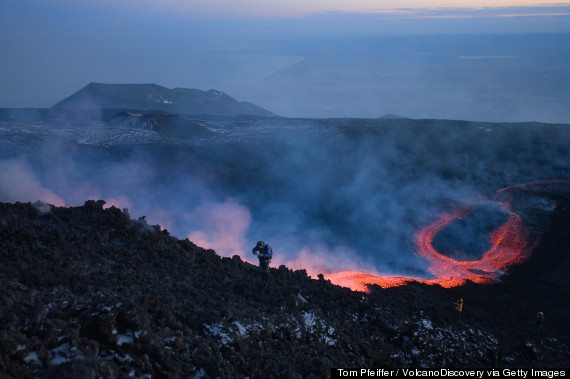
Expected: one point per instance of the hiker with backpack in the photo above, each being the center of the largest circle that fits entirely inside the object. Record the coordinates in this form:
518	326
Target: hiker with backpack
264	253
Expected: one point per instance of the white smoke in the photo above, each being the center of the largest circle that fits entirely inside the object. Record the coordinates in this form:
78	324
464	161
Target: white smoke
223	227
19	183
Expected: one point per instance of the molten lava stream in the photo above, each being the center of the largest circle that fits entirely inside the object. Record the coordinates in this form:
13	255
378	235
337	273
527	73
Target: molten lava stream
507	247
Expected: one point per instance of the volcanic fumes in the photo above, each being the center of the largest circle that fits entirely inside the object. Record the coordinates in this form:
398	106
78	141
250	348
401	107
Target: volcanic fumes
328	195
475	242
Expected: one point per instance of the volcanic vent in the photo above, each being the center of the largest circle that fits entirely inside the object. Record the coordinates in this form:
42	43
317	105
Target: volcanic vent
508	243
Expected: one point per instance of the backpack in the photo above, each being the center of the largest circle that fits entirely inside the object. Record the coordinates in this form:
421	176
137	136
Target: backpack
268	253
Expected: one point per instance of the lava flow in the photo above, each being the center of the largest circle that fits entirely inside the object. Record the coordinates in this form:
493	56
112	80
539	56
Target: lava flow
508	245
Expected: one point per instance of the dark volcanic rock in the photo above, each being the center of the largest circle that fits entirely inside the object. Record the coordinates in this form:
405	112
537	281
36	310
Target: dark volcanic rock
174	126
87	292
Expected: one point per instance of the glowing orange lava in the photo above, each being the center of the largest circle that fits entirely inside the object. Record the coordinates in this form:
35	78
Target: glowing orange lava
508	246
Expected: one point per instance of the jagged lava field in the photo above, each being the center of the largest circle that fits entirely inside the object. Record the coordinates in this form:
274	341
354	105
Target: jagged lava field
88	292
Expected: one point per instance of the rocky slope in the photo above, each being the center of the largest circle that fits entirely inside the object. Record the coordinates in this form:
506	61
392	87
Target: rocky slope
89	292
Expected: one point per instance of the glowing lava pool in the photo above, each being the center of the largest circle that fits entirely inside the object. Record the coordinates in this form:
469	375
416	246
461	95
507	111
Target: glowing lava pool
508	245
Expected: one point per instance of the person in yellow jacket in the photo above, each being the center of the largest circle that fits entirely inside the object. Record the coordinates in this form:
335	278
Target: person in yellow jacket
459	306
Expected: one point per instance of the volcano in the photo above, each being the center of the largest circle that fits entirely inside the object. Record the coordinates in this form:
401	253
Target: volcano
184	101
89	292
94	290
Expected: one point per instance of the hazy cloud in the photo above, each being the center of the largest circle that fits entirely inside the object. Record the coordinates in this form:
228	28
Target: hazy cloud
18	182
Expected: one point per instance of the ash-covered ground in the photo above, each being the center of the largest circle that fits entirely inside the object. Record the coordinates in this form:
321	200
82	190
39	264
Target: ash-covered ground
95	291
89	292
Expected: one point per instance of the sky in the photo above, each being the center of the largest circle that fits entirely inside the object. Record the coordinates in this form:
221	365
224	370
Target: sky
52	49
252	9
